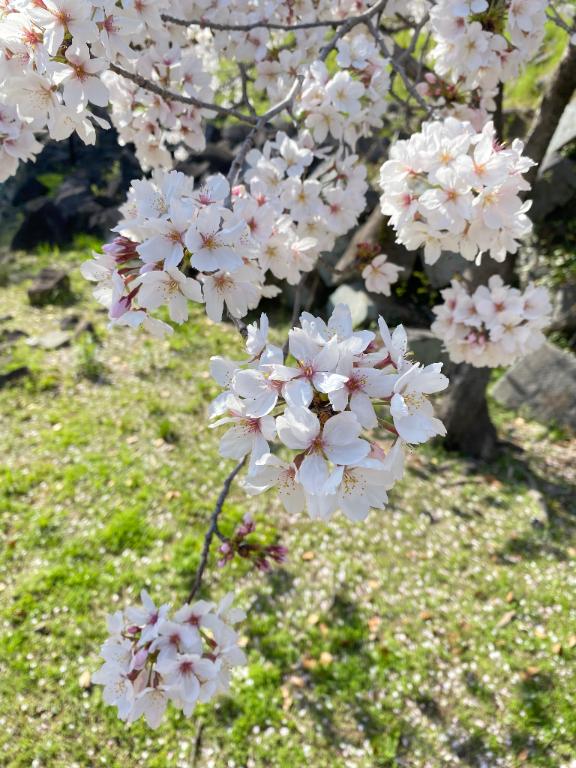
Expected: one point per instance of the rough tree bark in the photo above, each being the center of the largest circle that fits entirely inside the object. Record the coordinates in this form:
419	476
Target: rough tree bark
464	409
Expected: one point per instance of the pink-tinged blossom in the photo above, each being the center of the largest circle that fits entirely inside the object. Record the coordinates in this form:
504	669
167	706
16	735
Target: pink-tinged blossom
495	325
381	274
451	188
187	659
169	287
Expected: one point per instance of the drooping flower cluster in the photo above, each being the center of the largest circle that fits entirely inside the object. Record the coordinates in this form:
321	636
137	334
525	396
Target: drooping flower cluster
216	245
151	657
451	188
484	43
242	543
339	385
493	326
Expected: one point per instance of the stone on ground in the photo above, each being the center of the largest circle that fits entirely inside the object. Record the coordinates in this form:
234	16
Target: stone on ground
543	384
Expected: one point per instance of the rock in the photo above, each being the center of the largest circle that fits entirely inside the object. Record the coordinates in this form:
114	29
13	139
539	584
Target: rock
400	311
448	265
554	188
14	375
564	309
51	340
101	221
43	223
29	190
52	286
362	308
544	384
426	347
69	322
565	130
8	336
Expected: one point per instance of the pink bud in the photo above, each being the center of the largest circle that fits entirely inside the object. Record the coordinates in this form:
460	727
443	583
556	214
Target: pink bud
277	552
262	564
120	307
139	658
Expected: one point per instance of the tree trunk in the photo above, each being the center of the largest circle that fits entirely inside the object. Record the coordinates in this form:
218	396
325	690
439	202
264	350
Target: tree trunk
464	409
555	100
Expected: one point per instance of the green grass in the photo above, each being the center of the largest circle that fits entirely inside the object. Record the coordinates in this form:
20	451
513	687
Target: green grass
438	633
526	91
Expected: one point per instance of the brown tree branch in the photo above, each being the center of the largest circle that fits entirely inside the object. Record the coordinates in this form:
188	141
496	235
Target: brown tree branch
266	24
148	85
212	530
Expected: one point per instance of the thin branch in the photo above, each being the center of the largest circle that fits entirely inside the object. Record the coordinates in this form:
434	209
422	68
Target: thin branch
414	41
212	530
296	307
148	85
353	21
245	98
557	19
265	24
398	67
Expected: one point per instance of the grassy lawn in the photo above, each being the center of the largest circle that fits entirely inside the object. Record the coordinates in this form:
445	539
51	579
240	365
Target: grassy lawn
439	633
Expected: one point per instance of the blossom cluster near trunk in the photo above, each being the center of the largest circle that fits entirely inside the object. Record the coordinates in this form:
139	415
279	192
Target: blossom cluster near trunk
483	43
452	188
153	657
323	405
493	326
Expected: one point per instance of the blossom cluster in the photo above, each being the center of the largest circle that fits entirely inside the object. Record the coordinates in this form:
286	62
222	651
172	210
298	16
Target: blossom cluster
61	58
151	657
484	43
48	72
350	103
452	188
493	326
338	385
217	245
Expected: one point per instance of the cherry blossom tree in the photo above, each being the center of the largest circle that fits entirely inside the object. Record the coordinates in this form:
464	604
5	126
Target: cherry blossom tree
325	420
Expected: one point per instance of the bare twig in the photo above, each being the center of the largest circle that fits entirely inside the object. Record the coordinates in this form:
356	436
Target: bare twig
557	19
245	99
266	24
165	93
212	530
397	67
296	307
350	23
